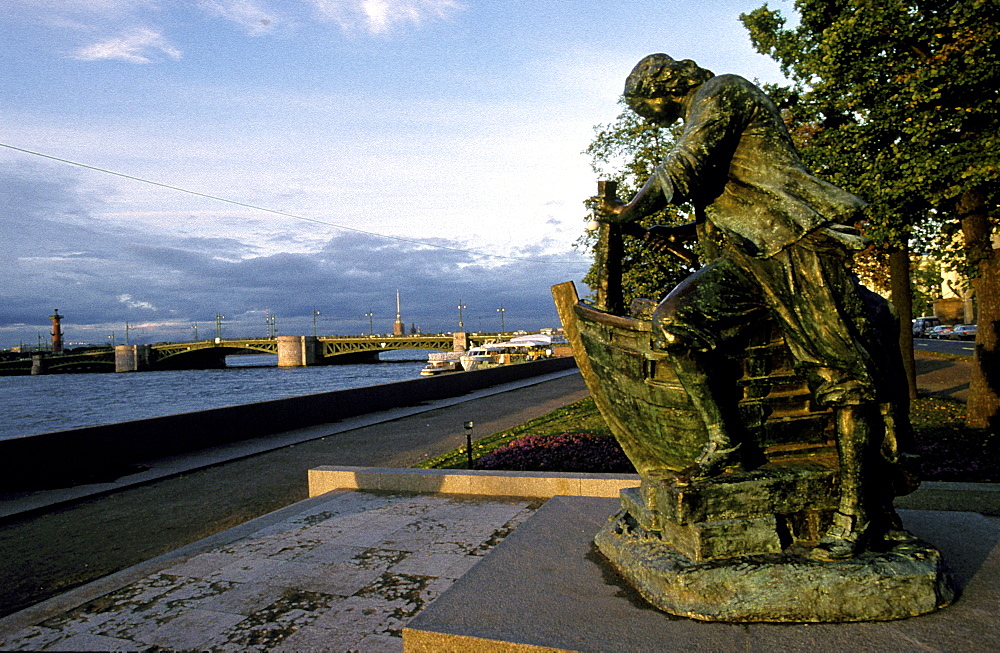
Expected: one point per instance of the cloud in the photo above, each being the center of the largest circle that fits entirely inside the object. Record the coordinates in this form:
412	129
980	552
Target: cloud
102	274
383	16
131	303
247	14
137	46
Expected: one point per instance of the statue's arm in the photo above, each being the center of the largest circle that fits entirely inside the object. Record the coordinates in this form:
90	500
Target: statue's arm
699	162
650	199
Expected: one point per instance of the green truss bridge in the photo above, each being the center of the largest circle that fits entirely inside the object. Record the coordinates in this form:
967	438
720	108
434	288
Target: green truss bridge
292	351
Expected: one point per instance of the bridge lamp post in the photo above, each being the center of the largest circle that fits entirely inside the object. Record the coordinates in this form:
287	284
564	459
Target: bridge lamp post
315	313
127	327
218	325
195	327
501	311
371	325
111	338
461	324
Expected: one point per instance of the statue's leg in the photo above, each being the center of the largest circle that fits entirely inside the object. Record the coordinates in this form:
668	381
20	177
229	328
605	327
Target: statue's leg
721	450
850	523
689	324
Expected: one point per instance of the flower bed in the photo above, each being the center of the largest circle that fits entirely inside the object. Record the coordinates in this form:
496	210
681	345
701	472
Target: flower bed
566	452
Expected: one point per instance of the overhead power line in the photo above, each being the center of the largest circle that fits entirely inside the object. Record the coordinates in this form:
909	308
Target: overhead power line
276	212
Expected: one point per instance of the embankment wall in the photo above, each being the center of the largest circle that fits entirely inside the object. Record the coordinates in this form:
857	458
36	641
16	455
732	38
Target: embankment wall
89	453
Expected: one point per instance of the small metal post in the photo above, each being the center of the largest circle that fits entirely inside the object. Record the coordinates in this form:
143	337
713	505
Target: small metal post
468	441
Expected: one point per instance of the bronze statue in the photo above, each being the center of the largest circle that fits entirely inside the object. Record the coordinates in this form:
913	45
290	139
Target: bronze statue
762	401
780	240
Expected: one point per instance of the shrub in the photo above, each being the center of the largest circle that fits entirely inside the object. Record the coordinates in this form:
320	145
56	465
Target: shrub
566	452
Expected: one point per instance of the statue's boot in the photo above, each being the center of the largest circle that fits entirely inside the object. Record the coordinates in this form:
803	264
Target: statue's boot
718	454
842	540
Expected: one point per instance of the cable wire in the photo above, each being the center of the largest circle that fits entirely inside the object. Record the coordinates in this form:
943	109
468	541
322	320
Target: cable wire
281	213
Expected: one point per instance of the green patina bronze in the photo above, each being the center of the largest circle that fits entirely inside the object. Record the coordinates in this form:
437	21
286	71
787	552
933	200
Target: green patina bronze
761	400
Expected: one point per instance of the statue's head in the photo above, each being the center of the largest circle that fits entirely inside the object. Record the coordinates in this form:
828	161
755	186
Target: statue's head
658	83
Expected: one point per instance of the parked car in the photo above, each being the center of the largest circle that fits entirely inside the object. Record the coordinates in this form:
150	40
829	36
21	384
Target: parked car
939	332
963	332
921	325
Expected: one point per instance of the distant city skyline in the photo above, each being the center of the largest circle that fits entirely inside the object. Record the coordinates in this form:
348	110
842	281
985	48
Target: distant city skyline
333	150
272	326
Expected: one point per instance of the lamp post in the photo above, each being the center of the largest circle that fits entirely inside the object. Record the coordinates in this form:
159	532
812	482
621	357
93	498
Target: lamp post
218	325
315	313
127	327
501	311
111	338
461	324
371	326
195	327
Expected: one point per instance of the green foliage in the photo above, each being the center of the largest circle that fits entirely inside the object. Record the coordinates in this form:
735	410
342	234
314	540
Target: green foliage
899	101
925	282
896	100
627	151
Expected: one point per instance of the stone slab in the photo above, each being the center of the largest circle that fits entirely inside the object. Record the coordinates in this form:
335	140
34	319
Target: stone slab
545	587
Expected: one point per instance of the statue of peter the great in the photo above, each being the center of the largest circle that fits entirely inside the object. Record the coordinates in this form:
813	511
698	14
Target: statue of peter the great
779	242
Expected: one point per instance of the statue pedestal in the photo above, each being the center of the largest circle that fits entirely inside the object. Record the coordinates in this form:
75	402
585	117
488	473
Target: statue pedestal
735	548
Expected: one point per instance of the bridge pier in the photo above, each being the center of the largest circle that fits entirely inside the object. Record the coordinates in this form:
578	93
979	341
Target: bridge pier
132	358
299	351
37	364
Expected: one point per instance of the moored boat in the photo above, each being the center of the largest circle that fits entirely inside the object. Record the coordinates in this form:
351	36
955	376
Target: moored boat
521	349
442	363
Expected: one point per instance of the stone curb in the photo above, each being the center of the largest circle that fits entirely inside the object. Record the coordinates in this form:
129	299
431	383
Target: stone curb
455	481
983	498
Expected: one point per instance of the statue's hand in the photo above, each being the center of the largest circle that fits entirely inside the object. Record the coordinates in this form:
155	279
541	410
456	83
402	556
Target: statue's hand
605	210
663	239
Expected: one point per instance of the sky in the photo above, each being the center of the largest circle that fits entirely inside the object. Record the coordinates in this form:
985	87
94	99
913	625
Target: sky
164	162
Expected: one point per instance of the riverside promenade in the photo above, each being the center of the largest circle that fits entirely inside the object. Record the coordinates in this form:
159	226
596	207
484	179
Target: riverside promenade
355	568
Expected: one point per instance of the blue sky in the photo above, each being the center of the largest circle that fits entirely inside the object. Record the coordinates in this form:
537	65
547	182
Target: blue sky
452	127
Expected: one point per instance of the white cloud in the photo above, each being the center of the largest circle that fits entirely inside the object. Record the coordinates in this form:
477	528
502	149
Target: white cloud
136	46
131	303
382	16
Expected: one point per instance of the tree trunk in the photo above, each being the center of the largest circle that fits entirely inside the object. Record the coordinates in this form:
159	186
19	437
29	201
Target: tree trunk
901	295
984	388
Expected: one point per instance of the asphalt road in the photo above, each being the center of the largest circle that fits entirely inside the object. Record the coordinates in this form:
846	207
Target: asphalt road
961	347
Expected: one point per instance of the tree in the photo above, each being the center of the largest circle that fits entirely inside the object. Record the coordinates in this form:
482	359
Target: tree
627	151
905	99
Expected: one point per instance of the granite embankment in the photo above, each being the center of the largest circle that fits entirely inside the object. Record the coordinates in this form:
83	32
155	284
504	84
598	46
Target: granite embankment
96	453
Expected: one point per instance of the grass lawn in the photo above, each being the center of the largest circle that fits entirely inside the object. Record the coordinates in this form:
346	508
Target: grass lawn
948	451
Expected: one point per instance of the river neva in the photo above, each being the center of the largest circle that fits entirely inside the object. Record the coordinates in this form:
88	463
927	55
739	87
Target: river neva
54	402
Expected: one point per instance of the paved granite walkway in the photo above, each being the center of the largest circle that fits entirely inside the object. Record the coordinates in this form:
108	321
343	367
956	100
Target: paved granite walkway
341	572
